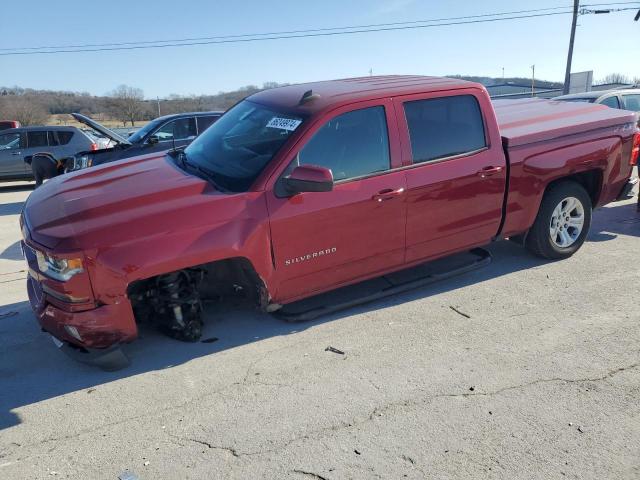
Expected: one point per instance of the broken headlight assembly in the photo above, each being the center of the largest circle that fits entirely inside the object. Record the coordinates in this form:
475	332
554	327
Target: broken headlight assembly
61	269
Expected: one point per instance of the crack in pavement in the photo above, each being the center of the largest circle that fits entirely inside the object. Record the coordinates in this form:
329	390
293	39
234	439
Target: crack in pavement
230	450
316	434
14	280
310	474
411	461
408	403
609	374
12	273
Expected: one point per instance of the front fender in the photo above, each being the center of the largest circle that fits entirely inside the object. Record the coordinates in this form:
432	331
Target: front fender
113	268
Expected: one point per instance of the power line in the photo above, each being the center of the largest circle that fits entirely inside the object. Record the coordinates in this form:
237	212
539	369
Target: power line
322	32
279	37
373	25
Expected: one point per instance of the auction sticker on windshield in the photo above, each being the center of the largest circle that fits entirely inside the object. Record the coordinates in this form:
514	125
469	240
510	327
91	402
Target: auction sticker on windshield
289	124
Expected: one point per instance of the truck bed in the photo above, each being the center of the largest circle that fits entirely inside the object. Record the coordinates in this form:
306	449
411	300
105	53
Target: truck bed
527	121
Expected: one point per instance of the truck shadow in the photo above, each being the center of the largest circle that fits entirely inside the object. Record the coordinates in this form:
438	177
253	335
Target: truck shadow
33	370
12	252
10	208
616	219
17	187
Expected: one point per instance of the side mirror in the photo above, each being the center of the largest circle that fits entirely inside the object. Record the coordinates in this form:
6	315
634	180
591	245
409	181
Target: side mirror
153	139
308	178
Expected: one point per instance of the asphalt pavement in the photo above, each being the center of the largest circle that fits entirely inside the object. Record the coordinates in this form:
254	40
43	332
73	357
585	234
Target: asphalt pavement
525	369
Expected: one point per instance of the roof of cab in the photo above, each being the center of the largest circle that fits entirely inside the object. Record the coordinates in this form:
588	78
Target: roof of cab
347	90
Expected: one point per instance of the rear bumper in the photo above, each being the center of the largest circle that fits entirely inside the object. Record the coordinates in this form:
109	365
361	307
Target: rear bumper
99	328
627	190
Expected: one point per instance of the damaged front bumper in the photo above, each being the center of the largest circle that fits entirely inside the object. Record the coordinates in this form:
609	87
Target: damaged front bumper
91	336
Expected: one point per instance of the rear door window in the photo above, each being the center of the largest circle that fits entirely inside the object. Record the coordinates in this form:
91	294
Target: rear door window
37	139
444	127
64	137
205	122
632	102
351	145
612	102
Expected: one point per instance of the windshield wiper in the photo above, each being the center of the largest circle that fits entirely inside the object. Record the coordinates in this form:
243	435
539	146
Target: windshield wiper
204	172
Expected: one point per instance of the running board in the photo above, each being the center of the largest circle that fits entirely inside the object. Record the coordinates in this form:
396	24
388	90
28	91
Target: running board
385	286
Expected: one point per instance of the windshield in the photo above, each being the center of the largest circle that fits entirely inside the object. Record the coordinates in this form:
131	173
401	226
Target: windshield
237	147
140	134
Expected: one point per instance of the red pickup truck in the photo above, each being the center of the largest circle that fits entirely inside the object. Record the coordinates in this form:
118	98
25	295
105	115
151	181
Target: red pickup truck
303	189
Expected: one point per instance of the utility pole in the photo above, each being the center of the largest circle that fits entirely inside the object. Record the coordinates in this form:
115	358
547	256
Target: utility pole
567	75
158	99
533	80
502	74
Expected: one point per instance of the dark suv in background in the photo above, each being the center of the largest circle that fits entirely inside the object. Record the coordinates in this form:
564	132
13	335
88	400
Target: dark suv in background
18	145
163	133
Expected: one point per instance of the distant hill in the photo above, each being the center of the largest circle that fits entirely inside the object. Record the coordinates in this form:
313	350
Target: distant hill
488	81
34	107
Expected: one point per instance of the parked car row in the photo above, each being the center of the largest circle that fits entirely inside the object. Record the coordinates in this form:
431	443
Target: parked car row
163	133
72	148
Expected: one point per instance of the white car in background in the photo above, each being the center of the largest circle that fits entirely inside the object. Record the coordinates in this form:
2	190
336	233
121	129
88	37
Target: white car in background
628	99
100	140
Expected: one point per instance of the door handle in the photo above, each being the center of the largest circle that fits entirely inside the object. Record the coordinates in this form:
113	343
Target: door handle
16	153
387	194
488	171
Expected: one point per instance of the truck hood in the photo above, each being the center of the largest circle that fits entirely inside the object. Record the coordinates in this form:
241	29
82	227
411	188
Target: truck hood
100	128
122	201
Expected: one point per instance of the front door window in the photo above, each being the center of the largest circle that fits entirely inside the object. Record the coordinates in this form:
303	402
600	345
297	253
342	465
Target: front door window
180	129
351	145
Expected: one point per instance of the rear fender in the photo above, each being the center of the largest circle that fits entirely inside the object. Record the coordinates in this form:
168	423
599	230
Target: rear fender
581	162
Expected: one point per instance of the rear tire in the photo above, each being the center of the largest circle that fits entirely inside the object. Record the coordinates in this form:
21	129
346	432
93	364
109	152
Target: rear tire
562	223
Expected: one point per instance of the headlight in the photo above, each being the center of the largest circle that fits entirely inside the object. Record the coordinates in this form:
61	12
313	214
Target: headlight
83	161
58	268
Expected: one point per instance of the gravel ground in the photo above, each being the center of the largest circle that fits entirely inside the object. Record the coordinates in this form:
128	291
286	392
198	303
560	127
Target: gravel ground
540	378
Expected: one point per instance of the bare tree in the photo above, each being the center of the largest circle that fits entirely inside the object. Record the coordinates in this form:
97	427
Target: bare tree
27	110
127	103
615	78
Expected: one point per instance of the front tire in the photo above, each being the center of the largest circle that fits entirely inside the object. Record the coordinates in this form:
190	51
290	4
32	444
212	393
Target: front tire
563	222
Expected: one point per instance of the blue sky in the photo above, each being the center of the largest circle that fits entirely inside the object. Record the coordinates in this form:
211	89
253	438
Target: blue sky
605	43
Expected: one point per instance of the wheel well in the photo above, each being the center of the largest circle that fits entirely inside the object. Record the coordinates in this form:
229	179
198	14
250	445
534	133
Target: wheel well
590	180
231	277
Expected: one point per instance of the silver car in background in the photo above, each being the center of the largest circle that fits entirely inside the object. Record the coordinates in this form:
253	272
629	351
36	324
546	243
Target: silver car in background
628	99
19	145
